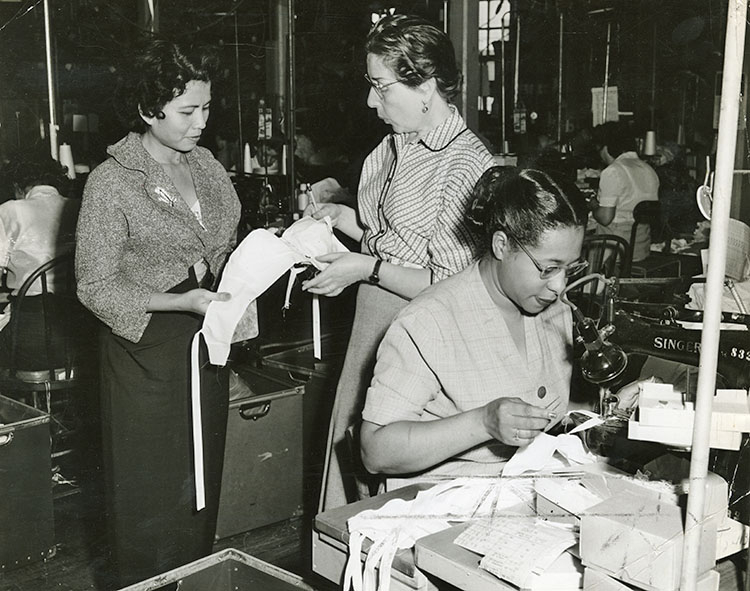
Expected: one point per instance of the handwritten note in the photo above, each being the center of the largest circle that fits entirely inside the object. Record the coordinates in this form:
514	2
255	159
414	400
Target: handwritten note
517	550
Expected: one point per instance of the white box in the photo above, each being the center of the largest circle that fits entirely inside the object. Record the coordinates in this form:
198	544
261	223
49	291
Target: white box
731	411
731	537
682	436
639	541
660	405
595	580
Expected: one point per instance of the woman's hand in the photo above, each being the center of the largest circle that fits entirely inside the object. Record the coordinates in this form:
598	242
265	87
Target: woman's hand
321	210
197	300
344	269
515	422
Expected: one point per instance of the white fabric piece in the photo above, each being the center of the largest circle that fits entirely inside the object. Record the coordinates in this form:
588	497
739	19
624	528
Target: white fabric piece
540	454
254	266
399	523
311	238
259	260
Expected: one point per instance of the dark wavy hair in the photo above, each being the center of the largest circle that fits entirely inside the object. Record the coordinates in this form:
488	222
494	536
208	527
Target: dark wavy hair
158	73
618	138
416	51
30	168
524	202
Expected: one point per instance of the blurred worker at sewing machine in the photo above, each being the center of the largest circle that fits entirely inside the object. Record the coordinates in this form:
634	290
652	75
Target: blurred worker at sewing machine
626	181
480	363
37	225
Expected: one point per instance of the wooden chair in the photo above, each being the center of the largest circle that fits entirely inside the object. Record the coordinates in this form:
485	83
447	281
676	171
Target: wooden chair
607	255
647	215
65	328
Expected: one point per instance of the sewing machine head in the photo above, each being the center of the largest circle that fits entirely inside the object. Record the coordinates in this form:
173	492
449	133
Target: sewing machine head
648	317
661	332
670	331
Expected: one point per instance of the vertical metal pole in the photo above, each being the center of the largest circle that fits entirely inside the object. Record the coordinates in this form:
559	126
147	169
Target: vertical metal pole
734	47
291	108
606	74
560	80
50	84
653	83
518	54
239	93
503	131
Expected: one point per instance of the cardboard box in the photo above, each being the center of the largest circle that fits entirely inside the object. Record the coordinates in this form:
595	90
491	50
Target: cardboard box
660	405
638	539
731	537
681	436
227	570
27	530
262	477
594	580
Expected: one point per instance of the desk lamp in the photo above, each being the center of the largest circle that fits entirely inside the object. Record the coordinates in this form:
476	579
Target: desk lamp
602	361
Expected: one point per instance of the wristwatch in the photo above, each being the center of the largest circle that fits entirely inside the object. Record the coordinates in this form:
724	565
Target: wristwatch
374	276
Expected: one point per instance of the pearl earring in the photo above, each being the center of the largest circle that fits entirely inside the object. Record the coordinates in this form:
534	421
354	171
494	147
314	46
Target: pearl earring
425	108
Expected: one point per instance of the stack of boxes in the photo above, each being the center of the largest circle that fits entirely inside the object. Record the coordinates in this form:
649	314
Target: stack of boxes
664	416
631	529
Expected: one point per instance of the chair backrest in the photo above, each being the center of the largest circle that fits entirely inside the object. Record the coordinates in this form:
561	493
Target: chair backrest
648	214
608	255
62	319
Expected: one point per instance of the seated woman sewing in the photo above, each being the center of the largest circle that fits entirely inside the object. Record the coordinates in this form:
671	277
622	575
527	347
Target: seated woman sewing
480	363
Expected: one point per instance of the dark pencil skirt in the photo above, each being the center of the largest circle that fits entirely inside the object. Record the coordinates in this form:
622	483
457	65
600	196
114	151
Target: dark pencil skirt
147	446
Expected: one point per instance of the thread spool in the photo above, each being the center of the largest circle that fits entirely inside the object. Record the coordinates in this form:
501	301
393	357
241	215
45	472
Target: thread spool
649	147
681	135
66	159
247	162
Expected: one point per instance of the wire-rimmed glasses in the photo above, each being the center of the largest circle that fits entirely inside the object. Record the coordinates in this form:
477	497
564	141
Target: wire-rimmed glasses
379	87
550	271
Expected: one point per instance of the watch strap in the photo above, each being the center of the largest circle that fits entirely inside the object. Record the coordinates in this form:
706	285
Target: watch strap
375	275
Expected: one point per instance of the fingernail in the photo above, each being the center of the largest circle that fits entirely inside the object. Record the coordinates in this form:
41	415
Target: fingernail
552	415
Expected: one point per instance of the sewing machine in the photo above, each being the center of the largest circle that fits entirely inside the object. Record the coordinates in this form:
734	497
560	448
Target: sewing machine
668	331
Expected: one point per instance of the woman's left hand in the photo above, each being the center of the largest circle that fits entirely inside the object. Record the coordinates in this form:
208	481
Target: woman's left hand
197	300
344	269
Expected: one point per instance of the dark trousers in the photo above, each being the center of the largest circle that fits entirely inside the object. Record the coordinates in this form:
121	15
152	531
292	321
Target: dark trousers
147	446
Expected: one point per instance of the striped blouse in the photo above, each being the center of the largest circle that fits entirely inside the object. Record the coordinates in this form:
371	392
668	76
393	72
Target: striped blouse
413	195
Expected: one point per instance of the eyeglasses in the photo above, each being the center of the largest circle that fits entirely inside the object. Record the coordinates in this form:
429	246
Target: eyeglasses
550	271
379	87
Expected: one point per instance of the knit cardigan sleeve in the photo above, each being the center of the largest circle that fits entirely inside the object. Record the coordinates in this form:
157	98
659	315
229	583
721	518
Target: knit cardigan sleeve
100	240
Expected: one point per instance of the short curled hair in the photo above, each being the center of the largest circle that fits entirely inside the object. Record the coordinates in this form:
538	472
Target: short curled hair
524	202
617	136
416	51
29	168
158	73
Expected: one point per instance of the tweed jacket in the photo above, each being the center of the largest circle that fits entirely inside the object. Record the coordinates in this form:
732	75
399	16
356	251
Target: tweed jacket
136	235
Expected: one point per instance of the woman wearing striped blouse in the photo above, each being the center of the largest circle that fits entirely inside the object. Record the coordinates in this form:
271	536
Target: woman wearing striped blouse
414	190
